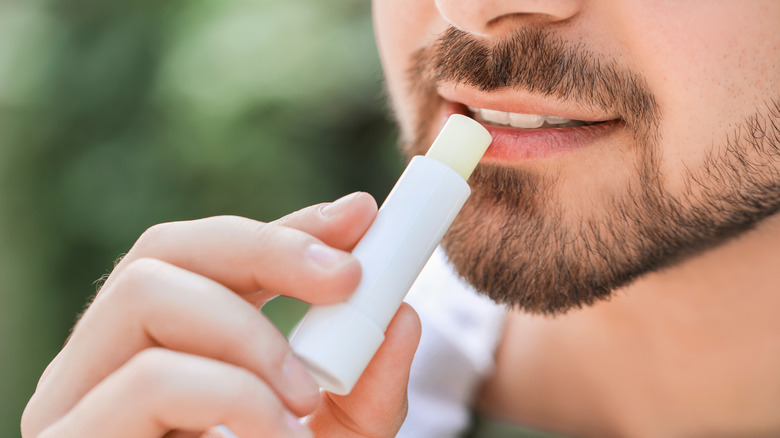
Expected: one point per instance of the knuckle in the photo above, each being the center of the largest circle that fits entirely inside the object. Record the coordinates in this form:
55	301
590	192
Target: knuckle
245	388
241	390
258	231
250	395
250	229
153	233
279	237
239	223
138	274
144	268
137	289
242	332
149	368
312	215
253	330
229	219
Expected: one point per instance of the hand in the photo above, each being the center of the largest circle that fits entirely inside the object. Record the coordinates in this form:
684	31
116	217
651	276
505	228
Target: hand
174	345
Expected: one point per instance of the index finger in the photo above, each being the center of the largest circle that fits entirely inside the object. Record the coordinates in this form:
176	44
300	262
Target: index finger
339	224
286	257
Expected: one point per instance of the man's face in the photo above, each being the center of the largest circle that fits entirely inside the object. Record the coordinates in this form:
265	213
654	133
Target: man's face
673	144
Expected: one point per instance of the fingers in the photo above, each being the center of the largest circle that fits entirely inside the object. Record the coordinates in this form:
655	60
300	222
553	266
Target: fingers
247	256
339	224
158	304
177	288
161	390
377	405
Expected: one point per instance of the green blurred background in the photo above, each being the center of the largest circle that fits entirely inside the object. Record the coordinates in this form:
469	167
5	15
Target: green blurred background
115	116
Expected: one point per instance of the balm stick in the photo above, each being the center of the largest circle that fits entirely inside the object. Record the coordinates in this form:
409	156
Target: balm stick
336	342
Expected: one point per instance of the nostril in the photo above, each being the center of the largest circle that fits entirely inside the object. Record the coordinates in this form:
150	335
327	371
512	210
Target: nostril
496	17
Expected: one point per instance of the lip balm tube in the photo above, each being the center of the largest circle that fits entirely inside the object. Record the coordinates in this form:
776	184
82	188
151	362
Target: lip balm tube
336	342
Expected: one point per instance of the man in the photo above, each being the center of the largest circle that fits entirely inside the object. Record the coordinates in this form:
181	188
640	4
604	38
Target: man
635	157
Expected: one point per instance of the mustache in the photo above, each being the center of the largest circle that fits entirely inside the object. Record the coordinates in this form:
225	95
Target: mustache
536	61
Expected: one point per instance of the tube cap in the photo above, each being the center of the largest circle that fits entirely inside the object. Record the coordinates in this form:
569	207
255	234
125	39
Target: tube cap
460	144
336	343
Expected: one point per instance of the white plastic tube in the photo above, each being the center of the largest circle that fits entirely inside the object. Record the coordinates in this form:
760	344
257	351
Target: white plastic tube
337	342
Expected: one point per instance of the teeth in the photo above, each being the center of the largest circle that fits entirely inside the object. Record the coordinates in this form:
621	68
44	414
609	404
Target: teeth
517	120
527	121
493	116
556	120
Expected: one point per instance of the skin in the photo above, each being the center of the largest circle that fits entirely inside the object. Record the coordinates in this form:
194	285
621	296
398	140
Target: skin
174	344
687	351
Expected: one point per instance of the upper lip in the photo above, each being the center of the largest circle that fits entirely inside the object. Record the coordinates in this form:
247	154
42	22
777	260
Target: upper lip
519	101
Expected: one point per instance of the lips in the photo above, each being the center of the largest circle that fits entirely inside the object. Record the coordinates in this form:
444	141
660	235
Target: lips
522	136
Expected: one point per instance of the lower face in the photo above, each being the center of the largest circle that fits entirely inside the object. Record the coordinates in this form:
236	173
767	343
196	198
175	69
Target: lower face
626	138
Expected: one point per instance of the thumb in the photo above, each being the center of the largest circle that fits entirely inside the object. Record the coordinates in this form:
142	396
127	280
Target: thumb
377	405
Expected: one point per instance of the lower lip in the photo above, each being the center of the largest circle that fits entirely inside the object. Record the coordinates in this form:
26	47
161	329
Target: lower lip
515	144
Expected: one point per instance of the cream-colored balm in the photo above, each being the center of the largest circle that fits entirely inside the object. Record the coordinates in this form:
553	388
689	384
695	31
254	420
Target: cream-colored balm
336	342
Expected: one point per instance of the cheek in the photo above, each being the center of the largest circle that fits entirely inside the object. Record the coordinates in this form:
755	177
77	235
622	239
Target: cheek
710	65
403	27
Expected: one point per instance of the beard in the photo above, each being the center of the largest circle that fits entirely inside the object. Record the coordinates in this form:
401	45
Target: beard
519	242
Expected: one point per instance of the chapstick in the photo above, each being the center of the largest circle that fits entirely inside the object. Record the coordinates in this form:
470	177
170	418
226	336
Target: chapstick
336	342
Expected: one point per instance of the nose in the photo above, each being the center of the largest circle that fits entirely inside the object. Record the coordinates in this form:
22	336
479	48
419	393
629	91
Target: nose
492	17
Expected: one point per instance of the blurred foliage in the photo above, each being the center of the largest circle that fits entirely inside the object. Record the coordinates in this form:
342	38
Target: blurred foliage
115	116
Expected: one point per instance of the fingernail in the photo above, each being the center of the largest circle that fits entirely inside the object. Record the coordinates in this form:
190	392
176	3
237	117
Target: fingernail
335	207
299	381
324	256
295	427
